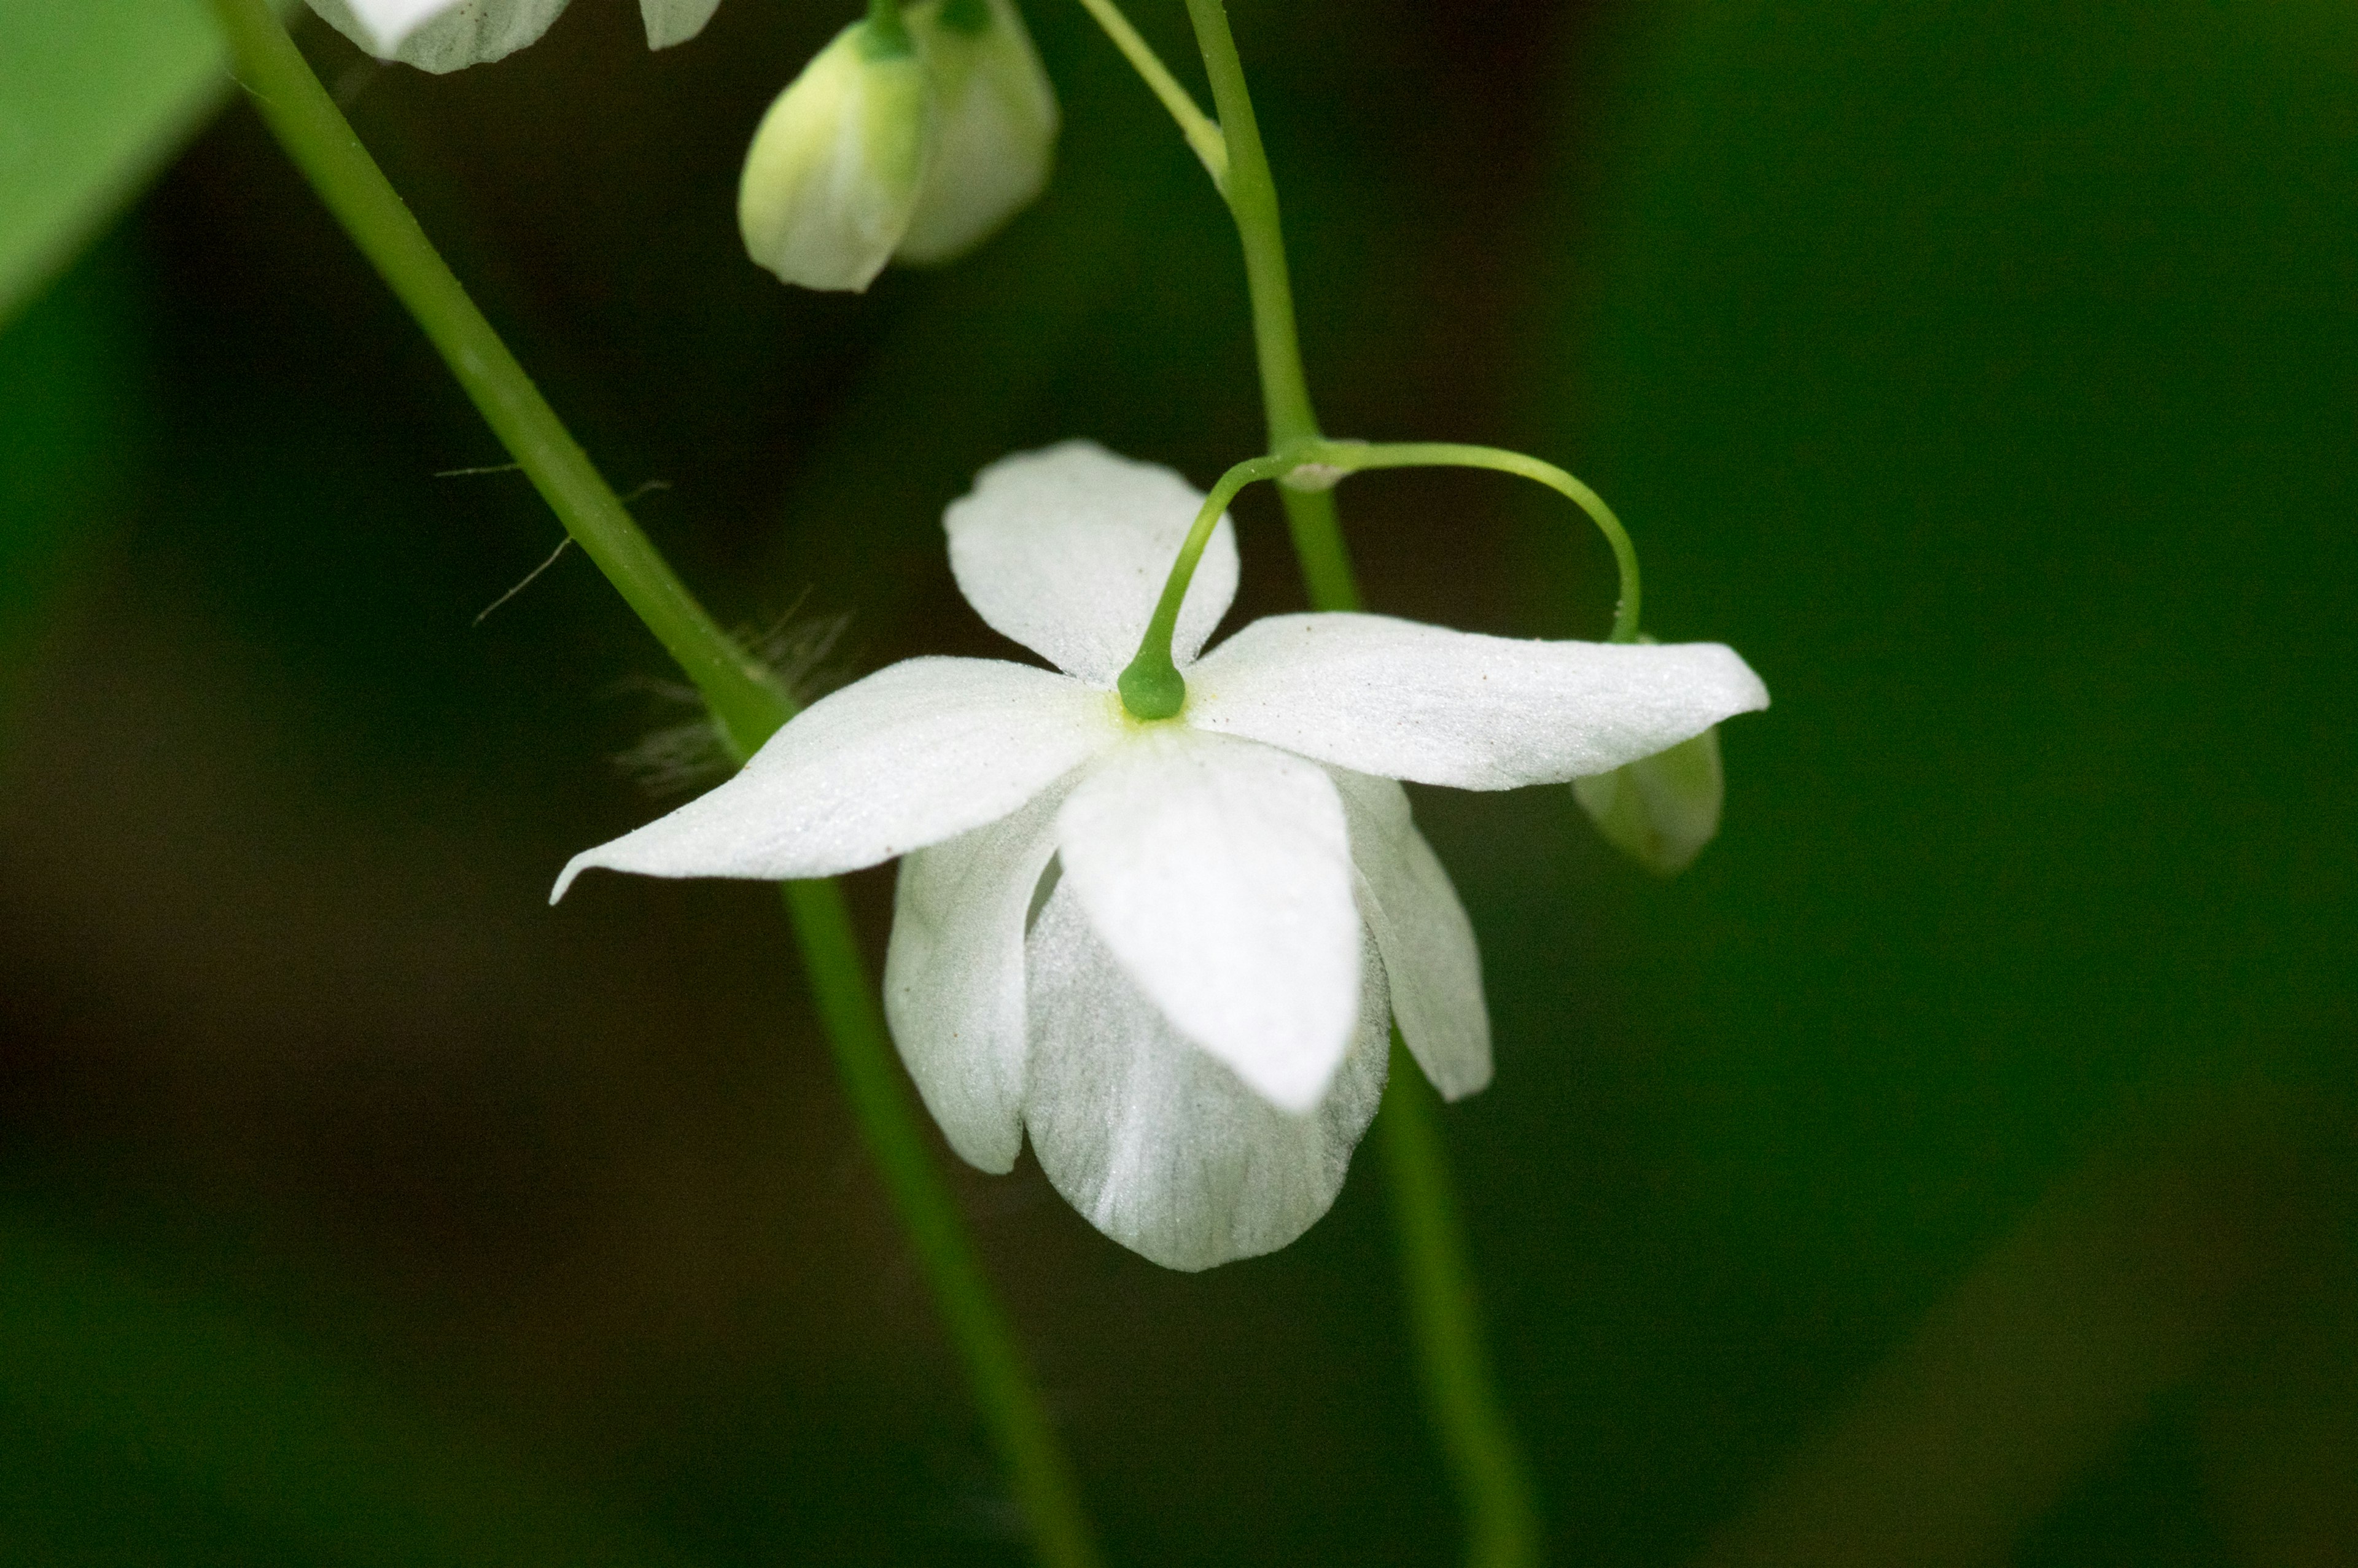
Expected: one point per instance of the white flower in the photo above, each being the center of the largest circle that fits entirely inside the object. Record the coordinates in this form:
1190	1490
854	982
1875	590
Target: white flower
448	34
1170	950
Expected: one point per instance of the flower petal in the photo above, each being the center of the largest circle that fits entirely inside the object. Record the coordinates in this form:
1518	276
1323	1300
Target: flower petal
1431	967
1067	550
954	984
673	22
1218	873
1158	1145
440	35
1406	701
913	754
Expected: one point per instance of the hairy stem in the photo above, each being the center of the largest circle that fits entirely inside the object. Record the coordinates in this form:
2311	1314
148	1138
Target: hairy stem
747	705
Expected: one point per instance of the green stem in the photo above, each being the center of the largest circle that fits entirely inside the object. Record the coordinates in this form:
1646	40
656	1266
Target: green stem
1252	201
1459	1392
889	1123
745	702
1339	457
747	705
1464	1403
1151	684
1202	132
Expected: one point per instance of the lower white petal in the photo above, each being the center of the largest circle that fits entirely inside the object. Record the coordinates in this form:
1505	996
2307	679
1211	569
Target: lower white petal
1218	873
1432	967
954	984
1158	1145
1408	701
918	752
673	22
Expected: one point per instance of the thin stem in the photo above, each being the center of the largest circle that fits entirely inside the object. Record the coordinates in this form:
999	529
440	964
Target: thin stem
1460	1396
1465	1406
889	1123
1202	133
747	705
1150	686
1252	201
1350	457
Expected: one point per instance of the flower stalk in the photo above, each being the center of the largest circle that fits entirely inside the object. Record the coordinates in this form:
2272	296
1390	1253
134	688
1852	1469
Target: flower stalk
1151	687
1461	1397
747	703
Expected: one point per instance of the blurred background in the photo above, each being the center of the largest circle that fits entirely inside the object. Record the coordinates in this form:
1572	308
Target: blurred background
1956	1166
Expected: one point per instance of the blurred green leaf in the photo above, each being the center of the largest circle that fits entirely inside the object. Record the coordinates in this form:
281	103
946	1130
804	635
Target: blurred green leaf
197	1423
93	97
74	421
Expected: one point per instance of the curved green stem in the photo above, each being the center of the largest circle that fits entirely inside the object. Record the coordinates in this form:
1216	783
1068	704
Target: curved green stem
1339	457
746	705
1151	684
1251	192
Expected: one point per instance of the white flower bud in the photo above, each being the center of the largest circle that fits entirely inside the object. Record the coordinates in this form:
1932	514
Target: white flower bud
1659	810
835	170
998	118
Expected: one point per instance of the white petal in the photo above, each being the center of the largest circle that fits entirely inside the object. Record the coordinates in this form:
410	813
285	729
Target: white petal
673	22
1067	550
913	754
1218	873
440	35
954	975
1158	1145
1406	701
1432	967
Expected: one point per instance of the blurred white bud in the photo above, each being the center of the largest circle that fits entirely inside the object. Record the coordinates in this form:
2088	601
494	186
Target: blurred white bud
998	119
1659	810
836	169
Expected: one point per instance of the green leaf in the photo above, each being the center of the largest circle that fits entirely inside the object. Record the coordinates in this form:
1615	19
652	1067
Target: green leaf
94	97
136	1416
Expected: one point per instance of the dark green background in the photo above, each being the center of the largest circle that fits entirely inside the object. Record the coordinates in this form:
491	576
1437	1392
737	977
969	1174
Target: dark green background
1955	1166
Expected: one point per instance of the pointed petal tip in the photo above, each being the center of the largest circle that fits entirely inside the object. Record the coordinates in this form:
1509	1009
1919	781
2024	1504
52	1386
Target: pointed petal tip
573	868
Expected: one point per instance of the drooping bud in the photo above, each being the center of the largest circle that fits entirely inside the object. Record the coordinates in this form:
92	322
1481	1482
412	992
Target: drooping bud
1659	810
998	122
834	171
440	35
